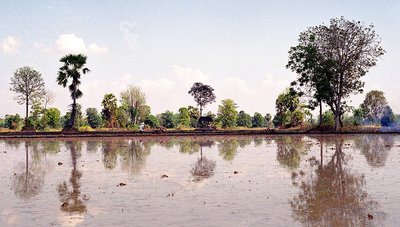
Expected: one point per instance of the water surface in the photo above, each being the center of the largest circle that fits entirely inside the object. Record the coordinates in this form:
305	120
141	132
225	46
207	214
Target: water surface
201	181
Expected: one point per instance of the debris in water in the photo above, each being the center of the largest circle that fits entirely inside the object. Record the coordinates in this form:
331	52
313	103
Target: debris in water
64	204
235	172
370	217
121	184
60	163
164	176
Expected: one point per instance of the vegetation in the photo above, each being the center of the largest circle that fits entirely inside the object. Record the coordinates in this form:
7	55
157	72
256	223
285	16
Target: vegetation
227	113
202	94
330	61
28	84
74	66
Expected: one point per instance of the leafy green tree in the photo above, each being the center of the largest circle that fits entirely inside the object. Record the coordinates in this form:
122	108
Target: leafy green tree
135	99
53	117
169	119
194	114
388	119
203	94
109	111
93	117
286	103
227	113
338	56
13	121
152	121
374	105
74	66
328	118
268	120
78	121
122	117
28	84
358	116
258	120
184	117
244	119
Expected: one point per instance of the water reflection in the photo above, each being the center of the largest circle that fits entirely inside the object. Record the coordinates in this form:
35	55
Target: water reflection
203	168
227	148
332	195
290	149
375	148
72	200
29	182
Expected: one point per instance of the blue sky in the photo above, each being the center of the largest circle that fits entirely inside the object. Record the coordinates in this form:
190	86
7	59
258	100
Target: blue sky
238	47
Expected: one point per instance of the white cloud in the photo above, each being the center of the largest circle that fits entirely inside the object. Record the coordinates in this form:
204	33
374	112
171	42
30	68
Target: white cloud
72	44
188	76
10	45
129	36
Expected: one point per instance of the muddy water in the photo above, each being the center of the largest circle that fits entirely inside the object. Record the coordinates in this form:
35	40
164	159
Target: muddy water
216	181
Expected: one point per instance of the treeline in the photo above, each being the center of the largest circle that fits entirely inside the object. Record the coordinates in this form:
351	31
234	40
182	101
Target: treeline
329	62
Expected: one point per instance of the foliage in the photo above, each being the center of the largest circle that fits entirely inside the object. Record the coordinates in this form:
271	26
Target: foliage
286	105
331	60
194	114
73	67
122	117
184	118
358	116
53	117
13	122
297	117
244	119
227	113
388	119
152	121
28	84
109	104
374	105
169	119
328	119
258	120
93	118
135	100
203	94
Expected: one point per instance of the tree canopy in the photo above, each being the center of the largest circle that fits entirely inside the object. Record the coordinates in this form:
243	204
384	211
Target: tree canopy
203	94
330	61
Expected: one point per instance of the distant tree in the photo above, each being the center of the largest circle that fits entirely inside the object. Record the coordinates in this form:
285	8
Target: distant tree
194	114
227	113
109	111
93	118
358	116
122	117
203	95
374	105
258	120
389	118
74	66
169	119
184	117
268	120
244	119
336	57
28	84
53	117
152	121
286	104
13	121
134	98
328	118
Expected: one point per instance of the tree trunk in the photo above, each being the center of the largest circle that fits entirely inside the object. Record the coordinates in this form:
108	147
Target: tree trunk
320	114
201	111
337	121
26	111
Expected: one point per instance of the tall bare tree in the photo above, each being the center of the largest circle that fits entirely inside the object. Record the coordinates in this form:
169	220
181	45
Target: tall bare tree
28	84
135	100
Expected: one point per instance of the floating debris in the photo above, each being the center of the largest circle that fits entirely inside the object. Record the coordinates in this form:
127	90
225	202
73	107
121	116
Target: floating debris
164	176
235	172
60	163
121	184
370	217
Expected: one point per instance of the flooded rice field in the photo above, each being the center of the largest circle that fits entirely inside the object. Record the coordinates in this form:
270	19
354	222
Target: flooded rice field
201	181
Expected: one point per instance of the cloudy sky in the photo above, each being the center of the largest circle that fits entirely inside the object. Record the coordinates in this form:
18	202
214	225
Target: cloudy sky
238	47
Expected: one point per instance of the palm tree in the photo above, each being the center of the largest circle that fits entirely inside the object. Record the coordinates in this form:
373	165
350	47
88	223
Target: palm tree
74	66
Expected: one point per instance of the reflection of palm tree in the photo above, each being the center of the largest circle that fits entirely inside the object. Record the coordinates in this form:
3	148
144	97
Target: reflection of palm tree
332	195
204	168
375	148
30	182
71	199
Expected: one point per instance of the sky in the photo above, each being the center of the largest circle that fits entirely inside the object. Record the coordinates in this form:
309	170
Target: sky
240	48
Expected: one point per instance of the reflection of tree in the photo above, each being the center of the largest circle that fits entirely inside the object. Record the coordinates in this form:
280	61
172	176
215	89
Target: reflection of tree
290	149
258	141
110	152
188	146
92	146
331	195
71	198
244	141
203	168
134	158
228	148
29	183
375	148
